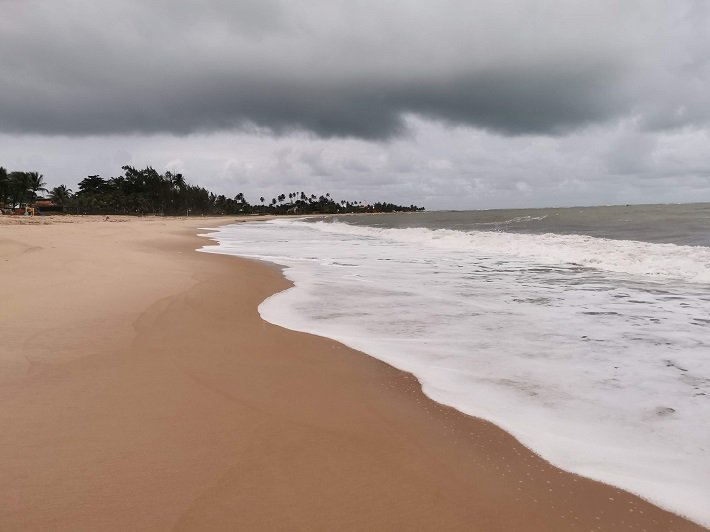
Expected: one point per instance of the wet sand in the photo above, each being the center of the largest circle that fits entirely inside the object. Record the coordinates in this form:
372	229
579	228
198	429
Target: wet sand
140	390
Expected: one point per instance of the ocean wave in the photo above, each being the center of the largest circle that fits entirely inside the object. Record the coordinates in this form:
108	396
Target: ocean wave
650	260
516	220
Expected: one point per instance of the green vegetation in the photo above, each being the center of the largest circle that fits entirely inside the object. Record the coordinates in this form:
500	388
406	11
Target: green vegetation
149	192
17	188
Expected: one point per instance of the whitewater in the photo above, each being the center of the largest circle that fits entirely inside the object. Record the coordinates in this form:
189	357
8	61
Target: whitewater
593	352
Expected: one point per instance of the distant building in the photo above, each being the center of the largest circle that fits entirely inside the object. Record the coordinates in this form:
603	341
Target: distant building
44	203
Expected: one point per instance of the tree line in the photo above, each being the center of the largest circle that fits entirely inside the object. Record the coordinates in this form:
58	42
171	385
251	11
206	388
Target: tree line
17	188
147	191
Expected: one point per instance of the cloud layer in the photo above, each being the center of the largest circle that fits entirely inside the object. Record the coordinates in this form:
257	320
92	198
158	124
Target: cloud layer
339	68
435	165
446	103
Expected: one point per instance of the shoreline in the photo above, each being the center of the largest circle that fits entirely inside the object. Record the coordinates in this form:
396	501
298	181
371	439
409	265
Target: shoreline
190	412
562	413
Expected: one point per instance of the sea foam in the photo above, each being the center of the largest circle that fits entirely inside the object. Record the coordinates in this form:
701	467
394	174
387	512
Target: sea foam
592	352
655	261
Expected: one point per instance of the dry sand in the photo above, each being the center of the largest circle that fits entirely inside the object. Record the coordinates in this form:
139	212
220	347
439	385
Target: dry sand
140	390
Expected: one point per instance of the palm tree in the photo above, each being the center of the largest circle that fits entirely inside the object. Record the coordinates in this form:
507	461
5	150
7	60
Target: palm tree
4	186
60	195
179	182
175	188
35	183
19	185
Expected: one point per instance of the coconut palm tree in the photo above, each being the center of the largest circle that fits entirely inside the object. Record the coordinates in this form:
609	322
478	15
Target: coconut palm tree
60	195
35	182
4	186
19	185
179	182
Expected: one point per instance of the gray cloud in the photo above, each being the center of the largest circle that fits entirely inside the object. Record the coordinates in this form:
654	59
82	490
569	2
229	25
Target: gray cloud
338	68
446	103
434	165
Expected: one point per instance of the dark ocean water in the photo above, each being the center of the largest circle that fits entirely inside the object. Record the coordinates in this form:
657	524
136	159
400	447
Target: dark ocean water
686	224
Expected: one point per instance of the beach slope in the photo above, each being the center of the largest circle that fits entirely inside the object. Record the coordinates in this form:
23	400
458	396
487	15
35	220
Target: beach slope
140	390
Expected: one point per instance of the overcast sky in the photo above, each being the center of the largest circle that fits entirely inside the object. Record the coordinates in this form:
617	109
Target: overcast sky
445	103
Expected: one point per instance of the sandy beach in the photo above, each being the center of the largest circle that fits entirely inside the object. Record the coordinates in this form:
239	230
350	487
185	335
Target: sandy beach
140	390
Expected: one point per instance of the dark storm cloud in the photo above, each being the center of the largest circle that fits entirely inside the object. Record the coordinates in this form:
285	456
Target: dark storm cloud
340	68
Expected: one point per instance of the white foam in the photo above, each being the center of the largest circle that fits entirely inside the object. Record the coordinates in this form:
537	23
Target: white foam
660	261
599	370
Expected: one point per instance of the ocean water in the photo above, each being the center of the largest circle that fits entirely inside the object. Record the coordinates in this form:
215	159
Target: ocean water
583	332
